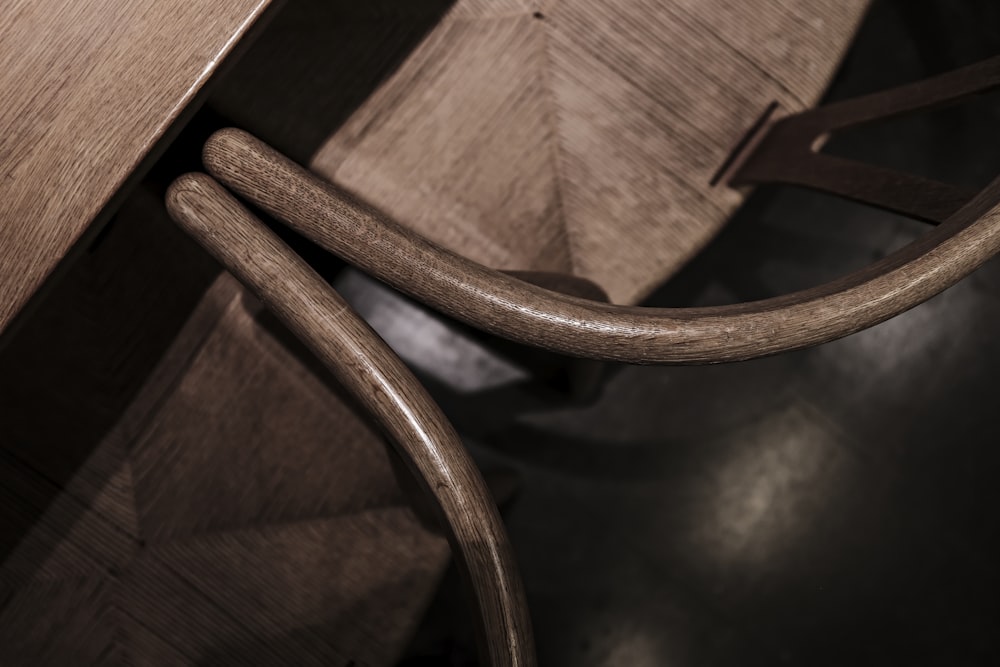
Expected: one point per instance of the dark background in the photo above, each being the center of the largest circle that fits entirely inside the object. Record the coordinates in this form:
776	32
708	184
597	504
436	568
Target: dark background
826	507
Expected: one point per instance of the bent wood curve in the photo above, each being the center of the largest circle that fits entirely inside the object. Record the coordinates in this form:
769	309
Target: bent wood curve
376	377
508	307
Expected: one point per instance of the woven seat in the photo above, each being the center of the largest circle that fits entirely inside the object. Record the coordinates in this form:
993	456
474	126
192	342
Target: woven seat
574	136
222	505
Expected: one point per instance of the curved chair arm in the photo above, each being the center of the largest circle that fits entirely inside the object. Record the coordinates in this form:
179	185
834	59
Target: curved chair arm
370	371
523	312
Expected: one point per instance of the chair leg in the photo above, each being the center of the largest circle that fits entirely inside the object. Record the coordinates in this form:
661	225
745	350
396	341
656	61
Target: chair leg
786	150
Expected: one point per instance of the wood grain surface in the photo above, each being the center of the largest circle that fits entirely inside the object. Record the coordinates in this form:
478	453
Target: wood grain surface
523	312
372	373
88	88
574	136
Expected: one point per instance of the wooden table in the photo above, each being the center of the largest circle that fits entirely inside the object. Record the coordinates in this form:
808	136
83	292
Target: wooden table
87	89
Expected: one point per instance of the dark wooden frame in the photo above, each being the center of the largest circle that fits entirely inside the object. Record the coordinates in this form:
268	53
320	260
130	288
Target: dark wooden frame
783	150
382	384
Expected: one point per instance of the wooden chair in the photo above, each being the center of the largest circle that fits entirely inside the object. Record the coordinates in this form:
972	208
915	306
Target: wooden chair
610	141
448	174
519	310
507	306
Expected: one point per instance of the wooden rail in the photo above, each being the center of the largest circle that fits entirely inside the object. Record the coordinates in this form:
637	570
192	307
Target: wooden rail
376	377
514	309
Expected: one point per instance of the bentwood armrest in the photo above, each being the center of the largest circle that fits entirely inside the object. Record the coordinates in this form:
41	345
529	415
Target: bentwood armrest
517	310
370	371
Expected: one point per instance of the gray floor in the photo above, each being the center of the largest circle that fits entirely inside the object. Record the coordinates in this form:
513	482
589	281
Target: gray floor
831	506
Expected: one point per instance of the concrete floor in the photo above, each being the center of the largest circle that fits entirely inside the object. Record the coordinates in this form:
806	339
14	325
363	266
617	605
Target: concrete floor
831	506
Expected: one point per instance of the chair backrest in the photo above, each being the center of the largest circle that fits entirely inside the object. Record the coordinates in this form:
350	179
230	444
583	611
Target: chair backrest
505	305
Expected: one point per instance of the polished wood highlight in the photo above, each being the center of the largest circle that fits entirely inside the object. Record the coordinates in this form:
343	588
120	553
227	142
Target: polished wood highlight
572	136
526	313
88	88
366	367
